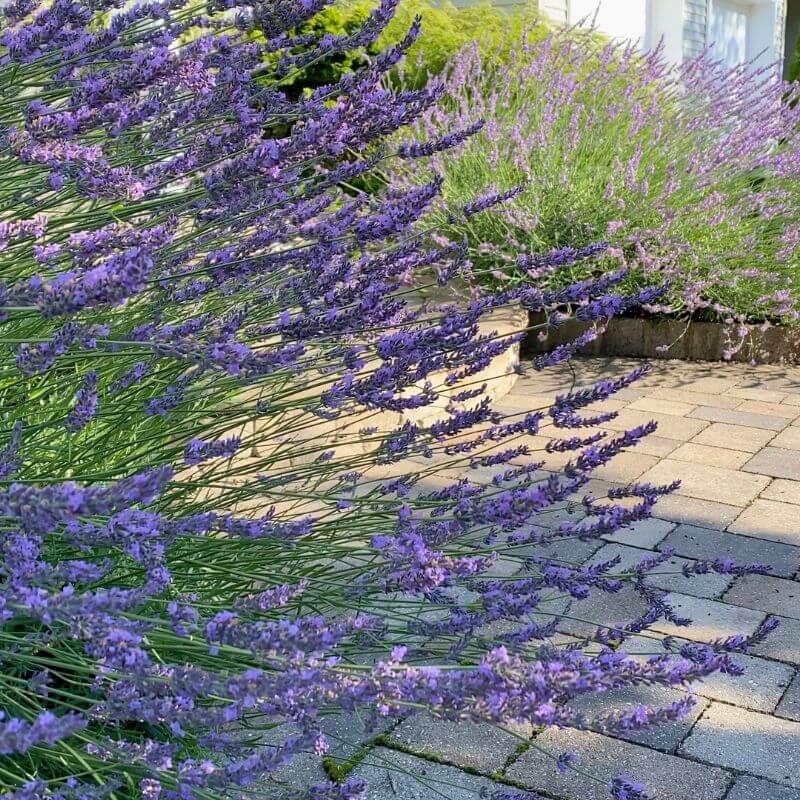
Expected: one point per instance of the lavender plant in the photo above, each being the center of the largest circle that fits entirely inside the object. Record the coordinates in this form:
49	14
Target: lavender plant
221	519
689	172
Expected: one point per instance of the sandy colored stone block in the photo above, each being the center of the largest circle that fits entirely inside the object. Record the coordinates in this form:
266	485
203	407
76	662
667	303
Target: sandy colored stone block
771	409
669	426
783	491
710	456
710	619
626	467
708	483
743	418
692	511
657	445
788	439
760	744
767	519
662	406
756	393
695	398
776	462
734	437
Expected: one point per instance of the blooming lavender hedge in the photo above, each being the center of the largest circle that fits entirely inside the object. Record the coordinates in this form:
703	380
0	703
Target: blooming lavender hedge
689	172
193	579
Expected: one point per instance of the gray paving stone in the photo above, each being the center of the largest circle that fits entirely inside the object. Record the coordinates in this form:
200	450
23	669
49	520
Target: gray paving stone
766	593
645	533
666	776
744	418
699	543
391	775
783	643
602	608
667	576
749	788
789	705
478	746
710	619
767	519
665	737
692	511
759	688
776	462
760	744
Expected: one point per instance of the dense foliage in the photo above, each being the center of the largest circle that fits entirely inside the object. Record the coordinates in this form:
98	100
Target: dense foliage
689	173
446	32
221	522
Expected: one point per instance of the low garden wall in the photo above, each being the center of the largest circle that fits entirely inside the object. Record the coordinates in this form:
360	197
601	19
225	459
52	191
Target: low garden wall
669	338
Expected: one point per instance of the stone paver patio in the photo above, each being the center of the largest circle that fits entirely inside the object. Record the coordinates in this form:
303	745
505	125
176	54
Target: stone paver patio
731	435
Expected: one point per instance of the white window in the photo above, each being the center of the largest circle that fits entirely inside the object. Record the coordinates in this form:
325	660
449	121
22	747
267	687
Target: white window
746	30
728	31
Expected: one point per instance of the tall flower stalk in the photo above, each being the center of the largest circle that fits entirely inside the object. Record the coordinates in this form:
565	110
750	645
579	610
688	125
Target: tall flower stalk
220	514
689	172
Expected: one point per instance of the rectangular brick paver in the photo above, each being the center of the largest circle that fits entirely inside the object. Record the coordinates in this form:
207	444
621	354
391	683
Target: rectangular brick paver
645	533
480	747
766	593
692	511
783	491
771	409
750	788
712	456
754	393
788	439
767	519
391	775
760	688
654	445
710	619
708	483
734	437
664	737
695	398
775	461
666	776
789	706
760	744
668	576
663	406
701	543
746	419
669	426
783	643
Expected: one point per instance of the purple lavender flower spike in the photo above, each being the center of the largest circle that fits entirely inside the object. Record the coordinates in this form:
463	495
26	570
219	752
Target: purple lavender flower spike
85	405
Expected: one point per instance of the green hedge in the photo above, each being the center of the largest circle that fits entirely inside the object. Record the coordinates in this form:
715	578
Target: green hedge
445	30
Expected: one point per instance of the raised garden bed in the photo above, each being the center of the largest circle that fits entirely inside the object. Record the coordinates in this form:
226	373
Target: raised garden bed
664	337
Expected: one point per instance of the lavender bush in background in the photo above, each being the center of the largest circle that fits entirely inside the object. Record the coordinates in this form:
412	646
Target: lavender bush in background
690	173
221	519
